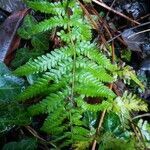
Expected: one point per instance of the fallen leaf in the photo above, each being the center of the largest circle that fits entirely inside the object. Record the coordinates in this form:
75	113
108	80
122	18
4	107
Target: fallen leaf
12	5
9	41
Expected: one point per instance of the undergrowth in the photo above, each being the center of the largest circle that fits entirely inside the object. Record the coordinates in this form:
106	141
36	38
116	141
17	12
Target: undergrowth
73	83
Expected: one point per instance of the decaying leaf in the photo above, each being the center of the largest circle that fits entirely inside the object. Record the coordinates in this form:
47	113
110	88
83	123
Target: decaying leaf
8	39
12	5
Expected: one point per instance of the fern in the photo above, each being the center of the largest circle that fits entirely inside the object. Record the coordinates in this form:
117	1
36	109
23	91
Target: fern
69	75
126	104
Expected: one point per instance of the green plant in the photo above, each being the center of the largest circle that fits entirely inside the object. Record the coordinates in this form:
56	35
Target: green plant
11	112
38	47
70	77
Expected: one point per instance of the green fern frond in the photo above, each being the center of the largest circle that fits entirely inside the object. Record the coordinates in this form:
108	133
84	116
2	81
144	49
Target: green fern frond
131	102
53	123
39	87
78	34
46	7
80	134
90	86
50	60
101	74
49	104
44	62
77	69
126	104
82	145
89	50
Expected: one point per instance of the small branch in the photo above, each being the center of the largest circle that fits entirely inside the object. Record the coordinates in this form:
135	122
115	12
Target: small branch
98	128
94	145
114	11
113	52
139	33
94	24
34	133
101	120
140	116
141	25
138	133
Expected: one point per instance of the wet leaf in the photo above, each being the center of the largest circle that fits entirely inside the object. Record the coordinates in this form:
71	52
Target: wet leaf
10	85
111	122
3	16
90	118
133	40
8	39
12	5
11	113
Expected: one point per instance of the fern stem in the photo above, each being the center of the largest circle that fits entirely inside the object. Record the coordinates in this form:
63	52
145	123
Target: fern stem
74	67
73	74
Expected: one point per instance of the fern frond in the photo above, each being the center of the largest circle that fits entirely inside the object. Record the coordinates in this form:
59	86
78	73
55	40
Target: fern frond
90	86
44	62
82	145
131	103
123	106
101	74
89	50
53	123
39	87
49	104
56	8
78	34
81	134
47	25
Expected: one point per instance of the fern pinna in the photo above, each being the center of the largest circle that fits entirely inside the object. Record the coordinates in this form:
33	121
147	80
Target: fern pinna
68	75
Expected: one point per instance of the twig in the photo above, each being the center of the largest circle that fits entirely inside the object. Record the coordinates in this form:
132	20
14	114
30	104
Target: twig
114	11
140	25
99	126
94	24
140	116
135	131
35	134
107	15
113	52
138	133
148	30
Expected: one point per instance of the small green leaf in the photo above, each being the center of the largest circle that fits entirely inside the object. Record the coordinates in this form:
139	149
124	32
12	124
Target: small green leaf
111	122
9	84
